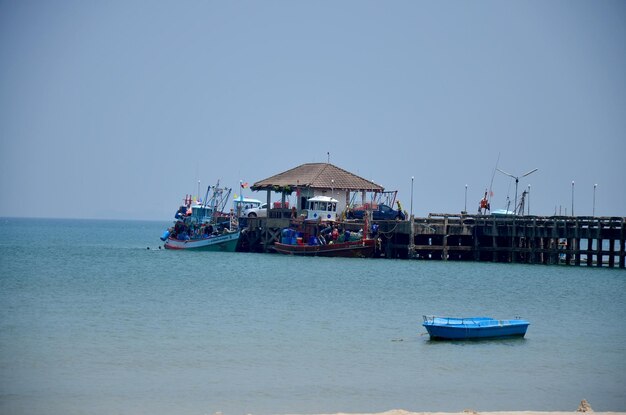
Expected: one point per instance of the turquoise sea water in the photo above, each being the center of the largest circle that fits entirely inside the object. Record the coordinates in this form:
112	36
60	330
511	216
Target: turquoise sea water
92	322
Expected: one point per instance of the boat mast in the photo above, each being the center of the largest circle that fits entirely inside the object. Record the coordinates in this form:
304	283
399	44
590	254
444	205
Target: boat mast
206	197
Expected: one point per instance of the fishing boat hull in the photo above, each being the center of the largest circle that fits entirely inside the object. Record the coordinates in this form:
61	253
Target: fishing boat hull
226	242
451	328
359	249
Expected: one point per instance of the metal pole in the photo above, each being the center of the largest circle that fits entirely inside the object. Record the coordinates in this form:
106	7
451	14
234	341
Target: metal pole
412	229
240	208
572	198
412	178
515	205
594	199
465	210
528	196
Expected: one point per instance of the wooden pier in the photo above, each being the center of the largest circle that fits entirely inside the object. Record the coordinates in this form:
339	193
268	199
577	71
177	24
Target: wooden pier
570	240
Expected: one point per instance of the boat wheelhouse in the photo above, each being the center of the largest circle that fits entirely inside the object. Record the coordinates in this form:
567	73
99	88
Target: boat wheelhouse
322	208
201	214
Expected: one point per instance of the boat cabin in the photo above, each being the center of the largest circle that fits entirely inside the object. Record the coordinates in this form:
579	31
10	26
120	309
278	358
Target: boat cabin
201	214
322	208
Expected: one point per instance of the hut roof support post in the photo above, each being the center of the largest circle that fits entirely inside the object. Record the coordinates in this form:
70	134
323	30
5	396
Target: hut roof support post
282	203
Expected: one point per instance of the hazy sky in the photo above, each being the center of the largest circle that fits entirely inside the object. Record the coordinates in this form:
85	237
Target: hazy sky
115	109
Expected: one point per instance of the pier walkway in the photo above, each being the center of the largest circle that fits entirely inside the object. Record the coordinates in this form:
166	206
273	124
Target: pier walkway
570	240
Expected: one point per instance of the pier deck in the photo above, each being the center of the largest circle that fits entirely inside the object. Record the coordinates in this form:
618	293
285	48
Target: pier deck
571	240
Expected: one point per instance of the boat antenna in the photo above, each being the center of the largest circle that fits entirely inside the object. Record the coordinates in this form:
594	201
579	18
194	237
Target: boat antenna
225	195
216	192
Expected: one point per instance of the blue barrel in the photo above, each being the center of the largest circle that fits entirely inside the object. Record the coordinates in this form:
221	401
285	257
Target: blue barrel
165	235
288	232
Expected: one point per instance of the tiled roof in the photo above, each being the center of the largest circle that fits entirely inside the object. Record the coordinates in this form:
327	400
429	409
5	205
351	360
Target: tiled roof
319	176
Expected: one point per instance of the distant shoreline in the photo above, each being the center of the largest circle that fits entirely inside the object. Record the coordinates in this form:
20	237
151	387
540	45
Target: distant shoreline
472	412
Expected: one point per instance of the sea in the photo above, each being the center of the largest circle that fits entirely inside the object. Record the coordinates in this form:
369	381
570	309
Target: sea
96	319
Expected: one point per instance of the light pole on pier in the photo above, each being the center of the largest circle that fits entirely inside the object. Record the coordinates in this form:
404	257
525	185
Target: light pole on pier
516	182
528	197
594	199
412	229
572	198
412	178
465	209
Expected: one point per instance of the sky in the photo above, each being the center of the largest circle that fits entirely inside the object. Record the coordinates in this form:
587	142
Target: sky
116	109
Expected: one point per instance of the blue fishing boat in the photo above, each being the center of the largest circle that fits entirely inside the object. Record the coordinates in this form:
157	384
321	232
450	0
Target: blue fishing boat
453	328
203	225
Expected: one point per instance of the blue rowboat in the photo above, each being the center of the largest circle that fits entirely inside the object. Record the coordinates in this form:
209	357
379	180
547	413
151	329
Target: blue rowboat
453	328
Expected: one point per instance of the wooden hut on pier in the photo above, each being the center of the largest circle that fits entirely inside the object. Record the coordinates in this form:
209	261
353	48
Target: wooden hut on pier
315	179
306	181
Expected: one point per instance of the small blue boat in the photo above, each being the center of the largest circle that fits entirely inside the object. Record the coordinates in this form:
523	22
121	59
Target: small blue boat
453	328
